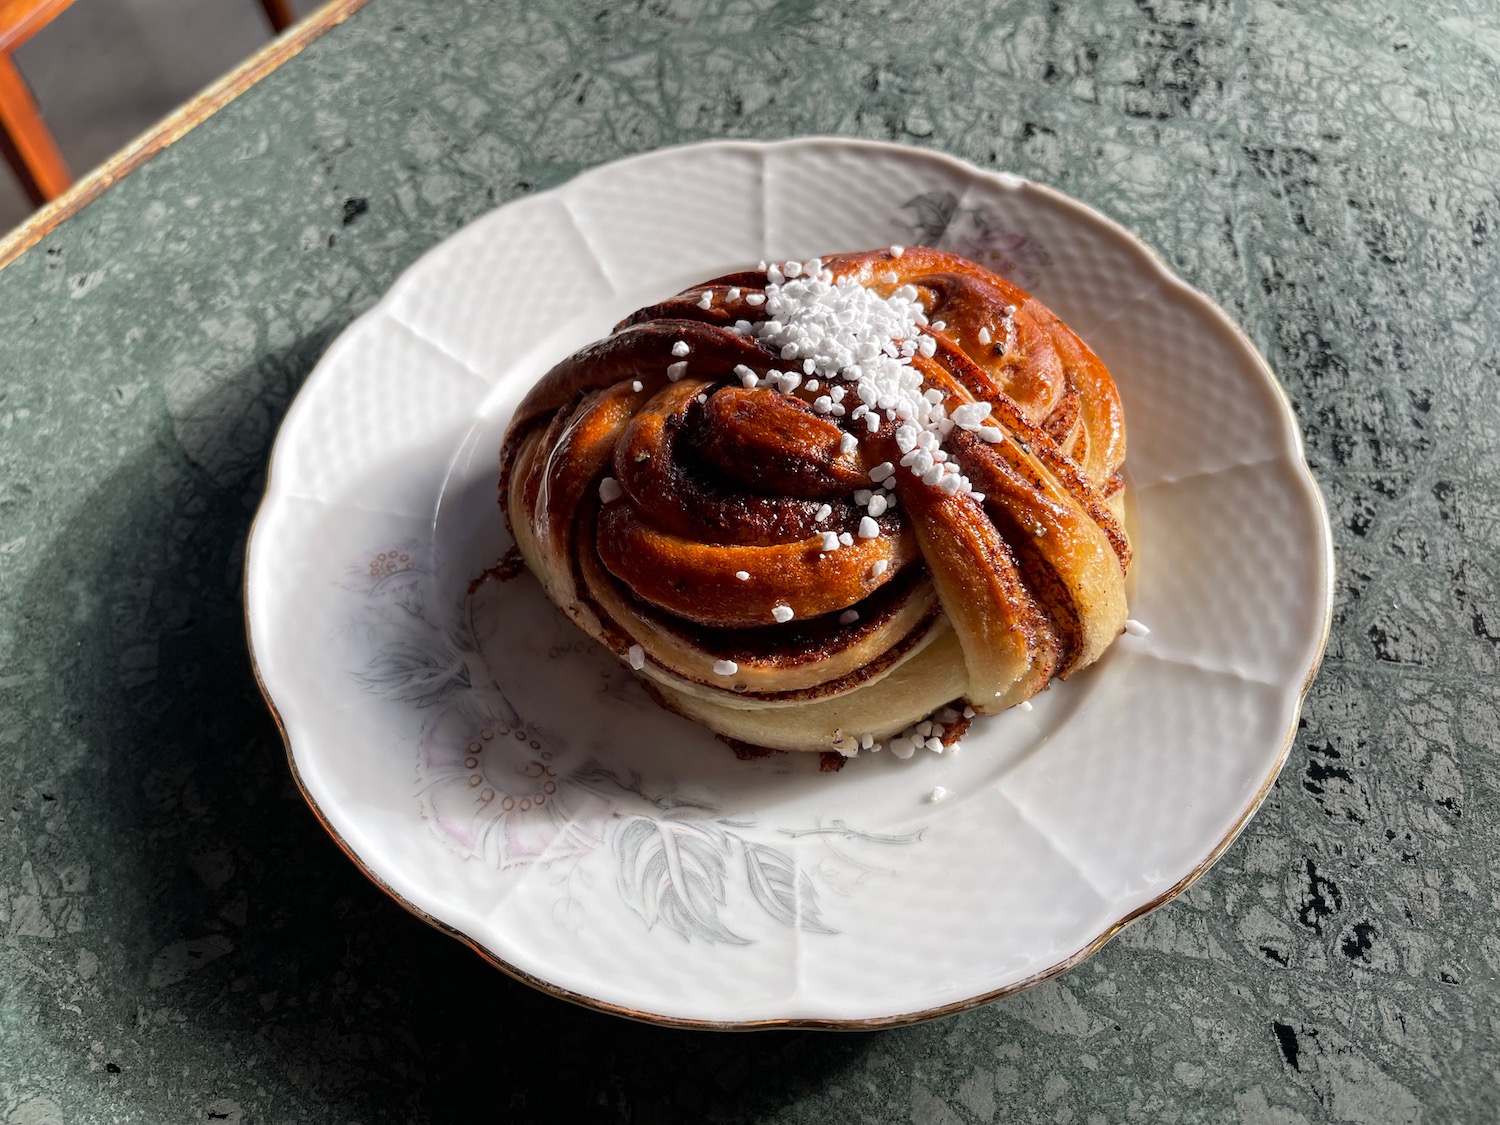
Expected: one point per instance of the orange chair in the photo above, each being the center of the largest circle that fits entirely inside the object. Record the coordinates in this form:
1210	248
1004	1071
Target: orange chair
25	142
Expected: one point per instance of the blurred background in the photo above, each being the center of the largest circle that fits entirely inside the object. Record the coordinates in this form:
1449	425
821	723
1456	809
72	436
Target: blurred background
103	71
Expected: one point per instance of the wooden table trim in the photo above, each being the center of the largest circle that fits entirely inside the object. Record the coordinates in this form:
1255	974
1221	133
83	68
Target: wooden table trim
174	126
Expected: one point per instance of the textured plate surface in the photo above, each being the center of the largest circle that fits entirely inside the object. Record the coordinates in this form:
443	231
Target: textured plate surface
505	779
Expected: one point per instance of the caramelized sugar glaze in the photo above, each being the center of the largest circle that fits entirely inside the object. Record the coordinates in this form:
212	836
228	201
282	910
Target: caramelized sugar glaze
681	510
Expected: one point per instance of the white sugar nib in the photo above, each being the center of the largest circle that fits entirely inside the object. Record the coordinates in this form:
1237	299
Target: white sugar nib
856	340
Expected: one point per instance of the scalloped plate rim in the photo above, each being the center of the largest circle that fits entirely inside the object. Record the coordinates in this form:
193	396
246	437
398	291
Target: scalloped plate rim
1293	691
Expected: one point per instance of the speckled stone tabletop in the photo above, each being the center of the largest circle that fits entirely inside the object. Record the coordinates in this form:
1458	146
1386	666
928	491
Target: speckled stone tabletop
179	941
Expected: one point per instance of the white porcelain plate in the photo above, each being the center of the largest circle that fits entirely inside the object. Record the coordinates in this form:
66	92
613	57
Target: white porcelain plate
505	779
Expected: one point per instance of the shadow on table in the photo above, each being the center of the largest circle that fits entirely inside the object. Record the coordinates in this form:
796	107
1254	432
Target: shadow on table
241	946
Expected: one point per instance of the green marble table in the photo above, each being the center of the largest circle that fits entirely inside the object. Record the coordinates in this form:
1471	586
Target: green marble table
179	941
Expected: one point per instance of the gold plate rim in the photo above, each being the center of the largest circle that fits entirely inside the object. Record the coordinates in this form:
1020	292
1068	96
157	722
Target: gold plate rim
904	1019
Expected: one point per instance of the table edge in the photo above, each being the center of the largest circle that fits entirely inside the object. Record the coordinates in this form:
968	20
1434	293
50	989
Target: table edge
171	128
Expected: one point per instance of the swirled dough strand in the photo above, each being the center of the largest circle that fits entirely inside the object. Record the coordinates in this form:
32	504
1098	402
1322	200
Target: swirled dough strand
814	503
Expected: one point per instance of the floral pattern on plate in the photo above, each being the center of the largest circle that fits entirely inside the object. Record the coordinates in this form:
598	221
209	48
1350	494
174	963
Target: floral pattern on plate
939	220
658	876
495	792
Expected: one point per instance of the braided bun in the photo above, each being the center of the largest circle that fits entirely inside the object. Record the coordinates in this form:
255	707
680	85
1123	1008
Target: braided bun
811	504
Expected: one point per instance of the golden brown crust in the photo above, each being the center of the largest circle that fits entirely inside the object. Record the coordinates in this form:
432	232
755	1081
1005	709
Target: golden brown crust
707	547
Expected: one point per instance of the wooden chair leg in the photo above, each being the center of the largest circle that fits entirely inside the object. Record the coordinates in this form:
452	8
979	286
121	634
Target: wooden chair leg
279	12
25	142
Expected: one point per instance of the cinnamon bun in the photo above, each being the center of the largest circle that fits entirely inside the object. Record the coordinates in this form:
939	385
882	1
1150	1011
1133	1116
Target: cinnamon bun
813	503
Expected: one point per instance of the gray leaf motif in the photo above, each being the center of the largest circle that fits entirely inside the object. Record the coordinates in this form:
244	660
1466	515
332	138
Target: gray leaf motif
934	213
422	674
777	883
672	872
462	632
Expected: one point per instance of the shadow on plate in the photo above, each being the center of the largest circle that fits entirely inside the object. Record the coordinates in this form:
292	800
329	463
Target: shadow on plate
232	938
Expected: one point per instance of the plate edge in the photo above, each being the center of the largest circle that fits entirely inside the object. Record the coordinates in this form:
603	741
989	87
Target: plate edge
1010	181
